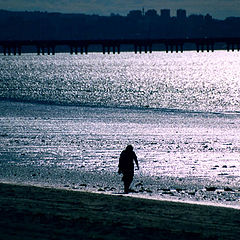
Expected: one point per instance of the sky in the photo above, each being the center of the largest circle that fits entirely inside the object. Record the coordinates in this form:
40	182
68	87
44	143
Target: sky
219	9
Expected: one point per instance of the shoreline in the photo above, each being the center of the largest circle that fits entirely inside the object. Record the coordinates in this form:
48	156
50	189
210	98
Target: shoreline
134	194
79	149
30	212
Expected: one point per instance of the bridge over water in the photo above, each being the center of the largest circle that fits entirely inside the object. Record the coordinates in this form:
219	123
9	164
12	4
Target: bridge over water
107	46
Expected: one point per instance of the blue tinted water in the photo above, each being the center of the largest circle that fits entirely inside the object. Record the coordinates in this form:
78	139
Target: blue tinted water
190	81
74	115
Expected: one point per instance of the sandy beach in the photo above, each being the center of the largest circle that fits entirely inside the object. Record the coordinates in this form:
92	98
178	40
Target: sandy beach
29	212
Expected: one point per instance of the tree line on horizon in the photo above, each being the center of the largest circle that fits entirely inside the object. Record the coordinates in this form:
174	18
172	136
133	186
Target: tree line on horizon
138	24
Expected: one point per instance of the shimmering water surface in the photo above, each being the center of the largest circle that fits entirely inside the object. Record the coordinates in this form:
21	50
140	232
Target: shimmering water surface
65	119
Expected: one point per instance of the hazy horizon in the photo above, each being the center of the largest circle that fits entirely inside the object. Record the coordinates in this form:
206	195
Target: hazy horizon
219	9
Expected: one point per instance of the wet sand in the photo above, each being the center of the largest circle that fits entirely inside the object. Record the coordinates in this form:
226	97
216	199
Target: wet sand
42	213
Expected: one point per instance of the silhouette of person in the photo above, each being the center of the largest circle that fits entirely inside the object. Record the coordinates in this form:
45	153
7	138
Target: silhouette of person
126	166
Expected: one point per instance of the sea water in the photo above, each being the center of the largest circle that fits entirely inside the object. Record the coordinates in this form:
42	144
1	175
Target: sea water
65	119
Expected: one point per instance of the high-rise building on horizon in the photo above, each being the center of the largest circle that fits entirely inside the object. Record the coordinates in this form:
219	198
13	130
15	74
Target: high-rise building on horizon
181	14
165	14
135	13
151	13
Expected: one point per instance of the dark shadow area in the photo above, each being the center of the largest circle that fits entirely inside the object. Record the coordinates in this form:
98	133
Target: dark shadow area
137	24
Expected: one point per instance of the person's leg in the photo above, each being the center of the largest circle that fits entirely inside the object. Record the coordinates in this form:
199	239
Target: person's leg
127	182
126	187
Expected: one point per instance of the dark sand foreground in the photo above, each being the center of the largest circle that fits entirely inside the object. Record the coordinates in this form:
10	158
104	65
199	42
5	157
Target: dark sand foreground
42	213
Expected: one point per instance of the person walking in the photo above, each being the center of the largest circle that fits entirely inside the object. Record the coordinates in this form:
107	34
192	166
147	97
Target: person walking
126	166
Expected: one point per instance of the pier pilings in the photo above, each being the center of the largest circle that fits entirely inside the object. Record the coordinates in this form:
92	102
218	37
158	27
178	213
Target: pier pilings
110	48
14	47
144	46
173	46
75	49
205	45
42	49
233	45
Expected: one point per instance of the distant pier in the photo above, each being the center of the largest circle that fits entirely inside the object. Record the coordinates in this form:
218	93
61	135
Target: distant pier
14	47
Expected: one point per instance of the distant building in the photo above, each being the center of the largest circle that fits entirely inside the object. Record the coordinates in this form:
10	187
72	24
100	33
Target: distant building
208	18
165	14
196	18
151	13
181	15
135	14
